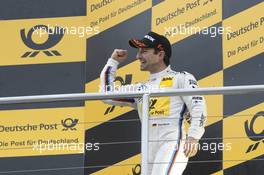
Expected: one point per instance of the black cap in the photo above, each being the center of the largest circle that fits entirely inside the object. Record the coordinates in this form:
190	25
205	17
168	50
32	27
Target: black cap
153	40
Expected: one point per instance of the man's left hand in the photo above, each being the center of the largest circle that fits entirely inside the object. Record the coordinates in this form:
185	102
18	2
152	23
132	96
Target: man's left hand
191	147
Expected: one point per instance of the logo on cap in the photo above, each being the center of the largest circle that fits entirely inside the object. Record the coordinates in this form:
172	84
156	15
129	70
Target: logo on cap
149	37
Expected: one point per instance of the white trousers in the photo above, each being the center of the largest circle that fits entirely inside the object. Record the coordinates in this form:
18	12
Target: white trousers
167	158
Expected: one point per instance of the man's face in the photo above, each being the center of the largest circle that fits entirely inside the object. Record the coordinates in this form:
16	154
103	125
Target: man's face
148	59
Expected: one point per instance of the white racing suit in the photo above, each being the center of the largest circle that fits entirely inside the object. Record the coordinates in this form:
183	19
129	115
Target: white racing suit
166	130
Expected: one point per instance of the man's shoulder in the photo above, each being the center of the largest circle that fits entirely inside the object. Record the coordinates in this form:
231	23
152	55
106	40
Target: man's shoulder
172	72
183	76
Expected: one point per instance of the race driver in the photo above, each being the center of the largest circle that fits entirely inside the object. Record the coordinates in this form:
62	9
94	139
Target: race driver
169	145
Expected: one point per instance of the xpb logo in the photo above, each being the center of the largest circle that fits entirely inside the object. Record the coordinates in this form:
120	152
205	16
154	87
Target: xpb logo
252	135
69	123
53	39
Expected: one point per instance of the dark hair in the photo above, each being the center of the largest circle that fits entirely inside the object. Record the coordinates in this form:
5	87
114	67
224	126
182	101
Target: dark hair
166	59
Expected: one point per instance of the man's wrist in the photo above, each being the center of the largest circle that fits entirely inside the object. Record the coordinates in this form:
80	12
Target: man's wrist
113	62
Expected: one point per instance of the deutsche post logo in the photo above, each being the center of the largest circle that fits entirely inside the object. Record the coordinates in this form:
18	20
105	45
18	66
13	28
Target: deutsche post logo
54	38
69	123
123	81
126	81
252	135
136	170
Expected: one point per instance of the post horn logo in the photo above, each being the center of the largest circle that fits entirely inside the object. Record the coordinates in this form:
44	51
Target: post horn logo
252	135
123	82
136	170
69	123
53	39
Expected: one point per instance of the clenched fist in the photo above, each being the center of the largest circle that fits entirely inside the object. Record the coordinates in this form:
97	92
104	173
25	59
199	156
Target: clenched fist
119	55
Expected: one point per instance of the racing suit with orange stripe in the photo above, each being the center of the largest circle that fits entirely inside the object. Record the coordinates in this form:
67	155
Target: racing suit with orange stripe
166	130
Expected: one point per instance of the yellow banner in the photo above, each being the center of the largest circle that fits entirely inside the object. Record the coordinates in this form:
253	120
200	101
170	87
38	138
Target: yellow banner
42	132
36	41
244	132
105	14
180	19
246	37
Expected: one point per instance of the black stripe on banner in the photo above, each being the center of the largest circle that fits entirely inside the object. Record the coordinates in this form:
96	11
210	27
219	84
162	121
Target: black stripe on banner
198	54
208	152
249	167
110	154
25	9
101	46
57	165
231	8
249	72
42	79
156	2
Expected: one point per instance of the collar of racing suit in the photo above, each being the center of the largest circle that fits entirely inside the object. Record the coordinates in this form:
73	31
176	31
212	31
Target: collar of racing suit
161	73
